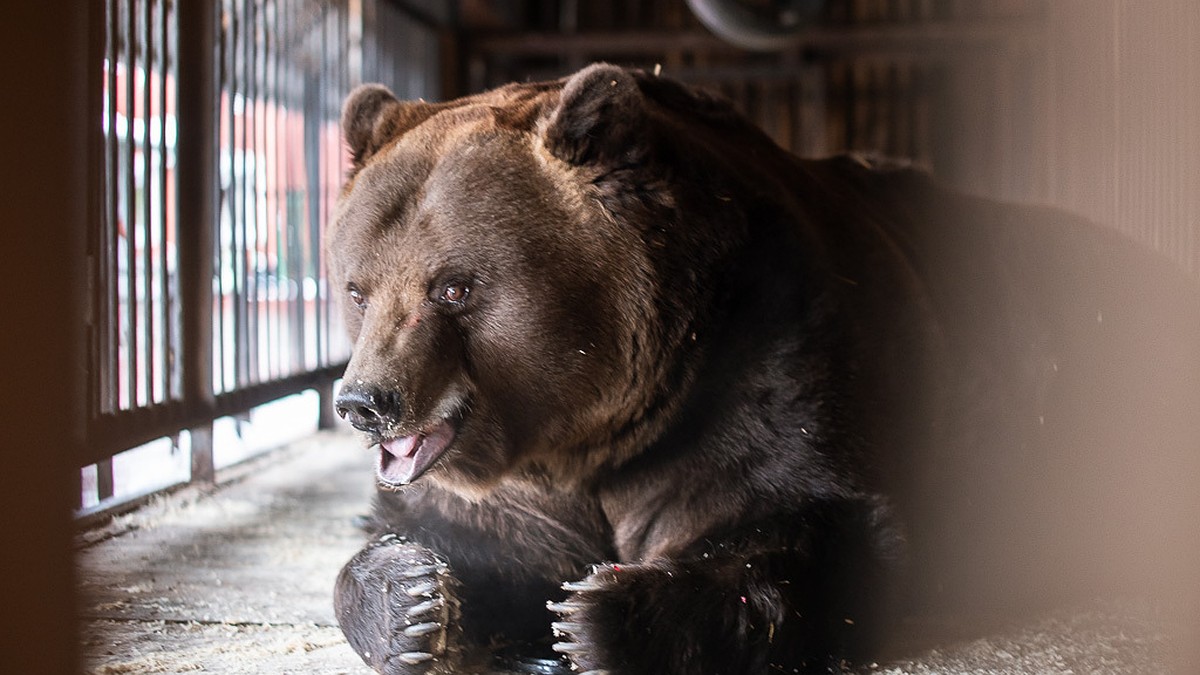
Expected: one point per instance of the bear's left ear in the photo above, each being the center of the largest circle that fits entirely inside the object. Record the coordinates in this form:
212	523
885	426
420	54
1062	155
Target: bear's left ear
600	118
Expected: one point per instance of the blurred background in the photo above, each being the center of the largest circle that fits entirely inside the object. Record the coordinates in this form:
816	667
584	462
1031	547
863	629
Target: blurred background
1091	105
1086	104
196	156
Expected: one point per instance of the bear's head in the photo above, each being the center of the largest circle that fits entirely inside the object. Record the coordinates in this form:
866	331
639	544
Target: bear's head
515	277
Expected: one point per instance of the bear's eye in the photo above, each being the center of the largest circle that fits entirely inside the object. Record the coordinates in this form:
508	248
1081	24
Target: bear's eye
454	293
357	297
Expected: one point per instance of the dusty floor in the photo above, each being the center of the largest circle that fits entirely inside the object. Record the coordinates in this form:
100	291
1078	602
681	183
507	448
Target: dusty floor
240	581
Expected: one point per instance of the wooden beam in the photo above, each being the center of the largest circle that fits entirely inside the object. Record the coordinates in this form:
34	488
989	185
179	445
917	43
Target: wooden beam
944	37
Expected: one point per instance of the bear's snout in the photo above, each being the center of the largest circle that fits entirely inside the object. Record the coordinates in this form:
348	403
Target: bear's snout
369	409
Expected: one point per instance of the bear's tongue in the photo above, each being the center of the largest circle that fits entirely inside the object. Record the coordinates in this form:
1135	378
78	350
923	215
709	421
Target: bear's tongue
403	460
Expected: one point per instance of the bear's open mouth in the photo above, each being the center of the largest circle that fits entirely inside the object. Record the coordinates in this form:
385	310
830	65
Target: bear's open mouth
403	460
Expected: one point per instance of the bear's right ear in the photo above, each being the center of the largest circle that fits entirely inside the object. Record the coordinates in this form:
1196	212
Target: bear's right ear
372	117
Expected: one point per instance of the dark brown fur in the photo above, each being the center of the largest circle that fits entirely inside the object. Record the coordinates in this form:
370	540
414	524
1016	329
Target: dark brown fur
776	398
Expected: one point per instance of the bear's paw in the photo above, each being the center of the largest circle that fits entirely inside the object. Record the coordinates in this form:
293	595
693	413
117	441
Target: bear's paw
605	621
396	604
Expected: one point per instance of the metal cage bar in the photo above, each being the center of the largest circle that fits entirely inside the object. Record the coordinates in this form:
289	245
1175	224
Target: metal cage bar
218	161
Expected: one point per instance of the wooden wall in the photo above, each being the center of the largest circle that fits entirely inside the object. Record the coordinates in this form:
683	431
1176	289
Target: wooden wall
1123	137
1093	105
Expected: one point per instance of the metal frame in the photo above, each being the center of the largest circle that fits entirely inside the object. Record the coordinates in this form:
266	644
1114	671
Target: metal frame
236	314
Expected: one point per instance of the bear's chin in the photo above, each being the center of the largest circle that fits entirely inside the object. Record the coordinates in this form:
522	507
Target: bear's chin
468	487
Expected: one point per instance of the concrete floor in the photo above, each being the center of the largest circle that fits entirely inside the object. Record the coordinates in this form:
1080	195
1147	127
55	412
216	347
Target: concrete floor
240	581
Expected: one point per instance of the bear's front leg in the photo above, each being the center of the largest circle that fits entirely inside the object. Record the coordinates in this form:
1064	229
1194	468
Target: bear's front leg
396	603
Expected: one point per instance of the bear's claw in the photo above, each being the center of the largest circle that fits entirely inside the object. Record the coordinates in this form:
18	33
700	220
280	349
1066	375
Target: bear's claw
422	571
565	627
419	629
564	608
581	586
568	648
569	630
425	608
425	588
415	658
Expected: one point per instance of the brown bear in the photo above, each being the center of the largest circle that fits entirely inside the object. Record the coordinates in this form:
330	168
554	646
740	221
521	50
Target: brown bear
652	392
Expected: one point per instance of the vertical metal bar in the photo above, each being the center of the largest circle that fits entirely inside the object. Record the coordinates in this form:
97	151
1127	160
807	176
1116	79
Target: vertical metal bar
341	45
108	324
97	82
311	214
293	156
237	195
264	337
260	272
330	85
350	67
317	203
171	60
255	93
259	94
235	247
229	239
275	324
337	55
166	216
284	227
352	32
279	122
293	223
314	123
298	231
244	182
330	89
351	74
197	198
147	196
223	291
265	245
249	258
297	227
284	224
131	305
263	265
327	87
101	86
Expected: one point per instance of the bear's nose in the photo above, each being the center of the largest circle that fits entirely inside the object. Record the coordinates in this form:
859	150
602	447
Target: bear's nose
367	408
